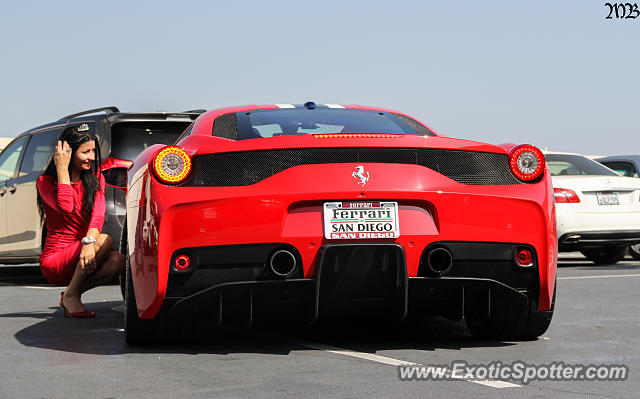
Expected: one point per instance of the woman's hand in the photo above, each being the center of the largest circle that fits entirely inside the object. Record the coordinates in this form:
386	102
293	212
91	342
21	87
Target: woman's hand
62	157
88	258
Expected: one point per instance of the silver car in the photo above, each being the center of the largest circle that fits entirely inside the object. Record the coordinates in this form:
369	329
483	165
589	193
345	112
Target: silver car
626	165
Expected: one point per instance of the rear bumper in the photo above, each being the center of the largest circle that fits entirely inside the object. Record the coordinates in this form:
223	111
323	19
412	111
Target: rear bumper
287	208
355	280
571	221
299	299
578	240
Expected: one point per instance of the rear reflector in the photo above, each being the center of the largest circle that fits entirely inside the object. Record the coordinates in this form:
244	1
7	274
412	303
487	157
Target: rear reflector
565	196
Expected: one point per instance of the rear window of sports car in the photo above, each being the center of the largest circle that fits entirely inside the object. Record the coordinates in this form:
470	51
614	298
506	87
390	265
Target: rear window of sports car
289	122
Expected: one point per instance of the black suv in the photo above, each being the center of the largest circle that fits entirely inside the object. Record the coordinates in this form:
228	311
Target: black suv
121	135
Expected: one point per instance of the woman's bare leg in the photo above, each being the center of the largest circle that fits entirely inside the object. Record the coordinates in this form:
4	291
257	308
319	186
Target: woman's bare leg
106	272
71	300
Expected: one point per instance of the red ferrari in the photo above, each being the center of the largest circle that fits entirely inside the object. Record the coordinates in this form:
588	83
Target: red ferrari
317	211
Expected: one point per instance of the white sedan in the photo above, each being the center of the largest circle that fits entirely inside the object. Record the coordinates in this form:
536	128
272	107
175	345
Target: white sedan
597	210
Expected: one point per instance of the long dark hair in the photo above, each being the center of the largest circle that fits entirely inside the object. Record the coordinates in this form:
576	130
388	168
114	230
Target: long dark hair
76	136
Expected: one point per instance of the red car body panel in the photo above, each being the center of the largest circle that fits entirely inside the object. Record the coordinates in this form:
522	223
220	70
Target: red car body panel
287	207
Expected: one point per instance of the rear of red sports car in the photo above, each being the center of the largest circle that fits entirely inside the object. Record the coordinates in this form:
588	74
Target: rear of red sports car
321	211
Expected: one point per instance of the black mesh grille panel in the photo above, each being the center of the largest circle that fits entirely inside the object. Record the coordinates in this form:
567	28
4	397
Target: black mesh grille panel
246	168
207	276
226	126
503	271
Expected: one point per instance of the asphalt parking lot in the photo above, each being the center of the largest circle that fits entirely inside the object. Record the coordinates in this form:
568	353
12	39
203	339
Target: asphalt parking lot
45	355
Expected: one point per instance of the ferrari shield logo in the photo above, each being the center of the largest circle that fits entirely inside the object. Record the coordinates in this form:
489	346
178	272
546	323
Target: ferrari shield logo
360	174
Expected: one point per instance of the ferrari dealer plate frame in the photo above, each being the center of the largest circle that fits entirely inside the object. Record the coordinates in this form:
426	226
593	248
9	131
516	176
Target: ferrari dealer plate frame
608	198
361	220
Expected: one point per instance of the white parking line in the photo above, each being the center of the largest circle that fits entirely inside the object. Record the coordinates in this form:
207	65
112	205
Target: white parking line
602	276
496	383
395	362
359	355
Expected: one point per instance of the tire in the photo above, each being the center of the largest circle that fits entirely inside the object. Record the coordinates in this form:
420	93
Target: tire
135	329
122	278
605	255
538	321
634	251
513	322
139	331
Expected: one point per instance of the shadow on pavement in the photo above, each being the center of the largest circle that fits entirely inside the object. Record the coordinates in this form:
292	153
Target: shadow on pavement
583	264
21	274
631	268
103	335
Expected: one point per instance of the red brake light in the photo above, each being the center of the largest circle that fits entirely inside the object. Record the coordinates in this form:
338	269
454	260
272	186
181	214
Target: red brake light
524	257
564	195
526	162
182	262
357	136
172	165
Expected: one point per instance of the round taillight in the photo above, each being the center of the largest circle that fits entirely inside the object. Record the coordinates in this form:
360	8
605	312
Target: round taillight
172	165
524	257
526	162
182	262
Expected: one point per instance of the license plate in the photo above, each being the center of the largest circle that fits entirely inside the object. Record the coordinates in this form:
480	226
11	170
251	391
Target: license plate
361	220
608	198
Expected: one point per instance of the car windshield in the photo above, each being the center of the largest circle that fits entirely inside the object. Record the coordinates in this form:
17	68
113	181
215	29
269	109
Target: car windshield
572	165
128	139
288	122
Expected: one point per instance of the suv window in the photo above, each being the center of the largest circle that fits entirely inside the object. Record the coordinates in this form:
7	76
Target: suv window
623	168
9	159
185	133
39	152
128	139
566	164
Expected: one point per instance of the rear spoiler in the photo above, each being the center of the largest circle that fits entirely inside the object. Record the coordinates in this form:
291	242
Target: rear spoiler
191	114
108	110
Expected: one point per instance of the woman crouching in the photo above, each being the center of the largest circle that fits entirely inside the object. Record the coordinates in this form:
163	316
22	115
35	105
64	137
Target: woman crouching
71	197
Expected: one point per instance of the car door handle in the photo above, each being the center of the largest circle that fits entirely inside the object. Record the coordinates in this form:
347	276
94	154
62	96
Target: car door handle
13	188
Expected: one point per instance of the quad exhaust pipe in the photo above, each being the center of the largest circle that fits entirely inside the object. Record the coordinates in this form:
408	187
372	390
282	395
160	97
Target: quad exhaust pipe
439	261
283	263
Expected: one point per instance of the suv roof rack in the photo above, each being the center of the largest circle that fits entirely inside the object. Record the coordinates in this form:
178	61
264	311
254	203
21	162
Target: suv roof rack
194	111
108	110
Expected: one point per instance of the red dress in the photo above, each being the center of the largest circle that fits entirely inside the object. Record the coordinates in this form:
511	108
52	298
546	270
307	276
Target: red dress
66	226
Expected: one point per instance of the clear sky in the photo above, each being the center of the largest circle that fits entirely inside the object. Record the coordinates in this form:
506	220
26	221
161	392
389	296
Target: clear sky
556	74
